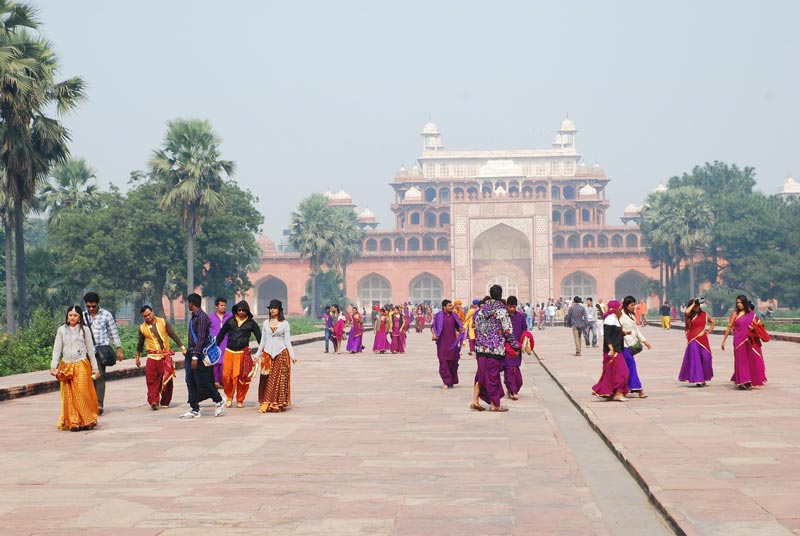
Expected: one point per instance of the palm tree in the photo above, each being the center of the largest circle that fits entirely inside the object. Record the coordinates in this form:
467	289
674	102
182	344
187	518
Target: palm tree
312	236
30	141
348	237
691	225
70	189
5	215
189	169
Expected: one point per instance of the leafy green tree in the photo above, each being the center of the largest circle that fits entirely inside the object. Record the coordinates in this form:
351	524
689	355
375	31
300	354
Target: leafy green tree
190	172
31	142
313	237
347	240
226	247
71	187
329	290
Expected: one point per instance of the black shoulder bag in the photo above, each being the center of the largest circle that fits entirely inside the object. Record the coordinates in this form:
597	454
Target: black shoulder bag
103	353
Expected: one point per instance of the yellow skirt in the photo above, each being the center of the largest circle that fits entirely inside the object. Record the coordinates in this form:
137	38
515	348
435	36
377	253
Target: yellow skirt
78	397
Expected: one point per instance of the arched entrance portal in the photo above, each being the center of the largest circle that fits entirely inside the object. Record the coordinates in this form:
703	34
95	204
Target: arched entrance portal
373	289
268	289
426	288
502	250
630	283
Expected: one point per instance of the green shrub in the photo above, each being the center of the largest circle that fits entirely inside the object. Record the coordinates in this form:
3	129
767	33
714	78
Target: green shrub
302	324
31	348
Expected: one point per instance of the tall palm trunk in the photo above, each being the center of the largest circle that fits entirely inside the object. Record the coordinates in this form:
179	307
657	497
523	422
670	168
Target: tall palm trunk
11	325
313	310
691	275
661	281
22	280
189	262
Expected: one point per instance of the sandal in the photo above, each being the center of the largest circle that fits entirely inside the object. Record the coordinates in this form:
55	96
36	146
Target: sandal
499	409
476	407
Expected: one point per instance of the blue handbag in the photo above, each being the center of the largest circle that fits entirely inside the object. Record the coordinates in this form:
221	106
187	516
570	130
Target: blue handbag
211	352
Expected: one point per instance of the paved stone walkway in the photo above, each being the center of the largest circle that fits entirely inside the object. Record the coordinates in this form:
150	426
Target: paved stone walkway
375	446
720	460
372	446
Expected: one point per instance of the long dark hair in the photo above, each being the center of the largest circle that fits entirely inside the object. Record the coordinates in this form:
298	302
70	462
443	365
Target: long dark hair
626	301
77	309
696	310
745	303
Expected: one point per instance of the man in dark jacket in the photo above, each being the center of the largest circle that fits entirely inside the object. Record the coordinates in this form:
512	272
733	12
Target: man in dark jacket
237	361
576	318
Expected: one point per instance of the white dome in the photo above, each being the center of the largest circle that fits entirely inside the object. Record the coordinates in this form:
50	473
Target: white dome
341	195
500	168
366	215
587	191
632	209
597	171
790	186
415	171
328	195
567	125
402	172
660	188
583	170
413	194
430	128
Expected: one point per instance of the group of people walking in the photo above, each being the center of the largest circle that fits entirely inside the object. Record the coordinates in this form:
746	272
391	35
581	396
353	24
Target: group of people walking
623	338
82	351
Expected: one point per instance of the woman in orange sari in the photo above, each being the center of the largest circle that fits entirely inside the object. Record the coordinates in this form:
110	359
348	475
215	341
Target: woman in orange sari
76	371
696	367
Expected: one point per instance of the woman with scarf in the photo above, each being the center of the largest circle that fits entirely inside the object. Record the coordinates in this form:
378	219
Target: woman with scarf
613	384
748	365
696	367
381	328
276	355
354	345
76	371
633	342
237	361
397	322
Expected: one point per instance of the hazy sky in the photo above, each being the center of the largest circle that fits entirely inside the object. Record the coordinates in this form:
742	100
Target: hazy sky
310	96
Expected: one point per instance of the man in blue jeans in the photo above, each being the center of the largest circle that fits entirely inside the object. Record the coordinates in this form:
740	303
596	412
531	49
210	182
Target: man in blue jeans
591	327
328	325
199	378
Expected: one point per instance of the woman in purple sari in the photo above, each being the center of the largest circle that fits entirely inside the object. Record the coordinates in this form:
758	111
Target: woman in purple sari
381	329
696	367
748	365
398	324
354	341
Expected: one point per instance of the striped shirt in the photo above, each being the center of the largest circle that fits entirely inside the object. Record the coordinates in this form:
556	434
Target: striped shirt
104	328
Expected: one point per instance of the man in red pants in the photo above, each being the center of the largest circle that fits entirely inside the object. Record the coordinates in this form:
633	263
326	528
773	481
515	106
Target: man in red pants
154	333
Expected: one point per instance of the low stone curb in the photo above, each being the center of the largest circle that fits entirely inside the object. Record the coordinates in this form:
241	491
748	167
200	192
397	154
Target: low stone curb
125	369
617	450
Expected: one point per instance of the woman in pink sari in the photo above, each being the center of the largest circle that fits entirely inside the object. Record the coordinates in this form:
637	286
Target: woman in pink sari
748	363
696	367
381	328
613	383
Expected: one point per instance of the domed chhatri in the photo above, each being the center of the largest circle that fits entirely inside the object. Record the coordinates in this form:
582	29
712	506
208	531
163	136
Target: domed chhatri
632	210
366	215
660	188
790	186
430	128
587	191
413	194
568	125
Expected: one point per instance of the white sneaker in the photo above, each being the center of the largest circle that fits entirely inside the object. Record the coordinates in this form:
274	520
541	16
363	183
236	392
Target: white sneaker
191	414
220	408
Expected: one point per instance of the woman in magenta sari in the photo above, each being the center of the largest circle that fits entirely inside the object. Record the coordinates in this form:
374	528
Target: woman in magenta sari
696	367
748	364
398	323
354	340
613	384
381	328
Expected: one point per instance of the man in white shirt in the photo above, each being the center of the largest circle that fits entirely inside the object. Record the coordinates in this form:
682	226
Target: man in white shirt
591	328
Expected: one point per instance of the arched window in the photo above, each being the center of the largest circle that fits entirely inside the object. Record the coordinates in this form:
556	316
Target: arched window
616	241
442	244
399	244
472	192
374	289
631	241
509	285
413	244
513	191
486	191
558	242
444	219
541	192
426	288
372	244
386	244
430	219
569	217
588	241
586	215
630	283
572	242
579	284
527	192
415	218
557	217
555	193
444	195
428	244
602	241
430	195
458	193
569	192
